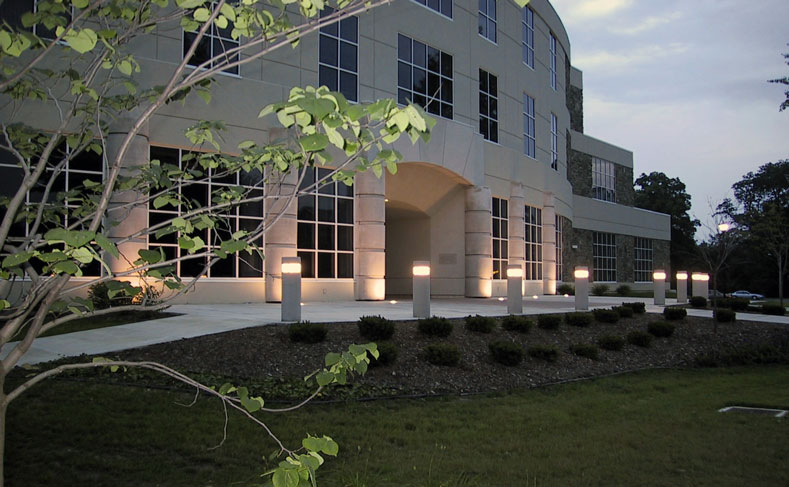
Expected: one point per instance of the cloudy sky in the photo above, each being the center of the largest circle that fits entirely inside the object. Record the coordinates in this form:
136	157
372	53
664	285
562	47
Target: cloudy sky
682	83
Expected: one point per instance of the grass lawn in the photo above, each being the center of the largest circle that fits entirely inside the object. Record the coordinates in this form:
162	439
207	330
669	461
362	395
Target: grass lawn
656	428
92	323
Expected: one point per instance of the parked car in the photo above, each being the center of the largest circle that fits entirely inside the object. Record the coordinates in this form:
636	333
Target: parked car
715	294
747	295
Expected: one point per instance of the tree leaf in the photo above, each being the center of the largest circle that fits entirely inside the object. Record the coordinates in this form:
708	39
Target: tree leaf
67	267
14	260
187	4
107	245
314	142
81	41
202	14
83	255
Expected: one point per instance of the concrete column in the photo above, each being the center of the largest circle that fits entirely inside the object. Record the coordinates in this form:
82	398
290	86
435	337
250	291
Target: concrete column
479	246
517	228
280	238
682	287
290	309
549	244
370	238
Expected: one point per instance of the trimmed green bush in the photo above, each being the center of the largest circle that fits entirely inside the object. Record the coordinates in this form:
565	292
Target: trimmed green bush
698	301
661	329
442	354
638	307
623	290
599	289
480	324
773	309
306	332
549	353
376	327
579	319
674	313
737	304
639	338
606	315
563	289
99	295
611	342
723	315
549	322
623	311
519	324
435	326
506	353
387	354
587	350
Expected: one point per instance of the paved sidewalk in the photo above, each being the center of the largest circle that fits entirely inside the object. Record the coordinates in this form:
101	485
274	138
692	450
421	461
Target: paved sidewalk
205	319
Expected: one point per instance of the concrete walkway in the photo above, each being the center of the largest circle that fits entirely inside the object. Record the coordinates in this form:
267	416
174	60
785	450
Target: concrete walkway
205	319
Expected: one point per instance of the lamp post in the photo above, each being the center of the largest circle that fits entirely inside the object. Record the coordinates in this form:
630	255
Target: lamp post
659	287
514	289
581	275
682	287
421	288
291	289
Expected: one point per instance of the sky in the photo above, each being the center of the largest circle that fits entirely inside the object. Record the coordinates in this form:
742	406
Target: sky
683	84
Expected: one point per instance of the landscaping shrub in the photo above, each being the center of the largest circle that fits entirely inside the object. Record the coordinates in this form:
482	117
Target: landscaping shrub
387	354
480	324
435	326
747	355
548	322
442	354
611	342
639	338
306	332
563	289
638	307
674	313
579	319
376	327
587	350
606	315
773	309
624	311
661	329
723	315
549	353
698	301
623	290
737	304
599	289
99	295
520	324
506	353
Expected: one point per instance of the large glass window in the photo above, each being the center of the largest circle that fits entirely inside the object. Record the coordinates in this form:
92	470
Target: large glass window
200	193
500	238
643	259
559	248
533	238
603	180
424	76
552	67
488	106
554	142
325	227
527	36
444	7
214	43
338	62
604	256
487	19
529	139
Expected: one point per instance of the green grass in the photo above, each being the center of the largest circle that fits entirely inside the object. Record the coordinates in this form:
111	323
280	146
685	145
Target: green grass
123	318
654	428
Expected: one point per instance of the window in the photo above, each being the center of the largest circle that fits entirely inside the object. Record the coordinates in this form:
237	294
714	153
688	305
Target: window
13	10
552	67
554	142
559	248
444	7
603	180
338	60
604	256
527	36
643	259
488	106
500	236
424	76
529	140
246	216
214	43
325	227
533	238
487	19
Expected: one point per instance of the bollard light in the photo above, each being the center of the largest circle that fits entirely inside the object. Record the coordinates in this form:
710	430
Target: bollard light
682	287
659	287
581	275
700	285
421	289
514	289
291	289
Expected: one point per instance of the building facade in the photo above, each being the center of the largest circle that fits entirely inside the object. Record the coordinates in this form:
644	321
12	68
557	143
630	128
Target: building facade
509	177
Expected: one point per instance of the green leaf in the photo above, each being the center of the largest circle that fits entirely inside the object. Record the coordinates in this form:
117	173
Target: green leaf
125	67
187	4
314	142
83	255
324	378
332	358
14	260
107	245
202	14
150	256
4	304
67	267
81	41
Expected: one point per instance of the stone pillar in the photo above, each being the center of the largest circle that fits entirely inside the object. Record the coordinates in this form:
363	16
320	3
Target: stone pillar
479	246
549	244
280	240
370	239
517	228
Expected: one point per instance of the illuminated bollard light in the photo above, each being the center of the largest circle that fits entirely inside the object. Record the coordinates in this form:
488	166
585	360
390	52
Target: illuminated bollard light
581	275
659	286
421	271
682	287
514	290
701	284
291	289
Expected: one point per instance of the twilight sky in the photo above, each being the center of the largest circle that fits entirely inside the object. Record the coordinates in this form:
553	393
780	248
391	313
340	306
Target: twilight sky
682	84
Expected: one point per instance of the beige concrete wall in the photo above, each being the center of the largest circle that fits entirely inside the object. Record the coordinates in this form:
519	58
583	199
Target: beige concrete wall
602	216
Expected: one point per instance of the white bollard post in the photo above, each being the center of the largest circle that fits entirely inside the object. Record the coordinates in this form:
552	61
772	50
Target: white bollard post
514	289
701	284
682	287
581	275
659	287
291	289
421	283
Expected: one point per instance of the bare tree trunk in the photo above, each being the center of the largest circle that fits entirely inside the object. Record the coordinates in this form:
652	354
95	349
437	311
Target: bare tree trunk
714	304
3	409
780	282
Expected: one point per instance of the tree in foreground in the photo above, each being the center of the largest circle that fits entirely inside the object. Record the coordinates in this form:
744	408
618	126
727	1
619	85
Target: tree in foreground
783	81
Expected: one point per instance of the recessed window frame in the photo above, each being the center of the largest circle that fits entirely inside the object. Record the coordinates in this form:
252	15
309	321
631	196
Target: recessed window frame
532	237
529	127
552	64
441	7
527	36
554	142
486	20
642	259
417	59
345	33
603	180
500	233
559	229
488	106
211	35
604	256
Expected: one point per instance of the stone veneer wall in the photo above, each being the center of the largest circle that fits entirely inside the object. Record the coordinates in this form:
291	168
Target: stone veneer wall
625	271
579	173
661	256
567	267
582	255
625	193
575	104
